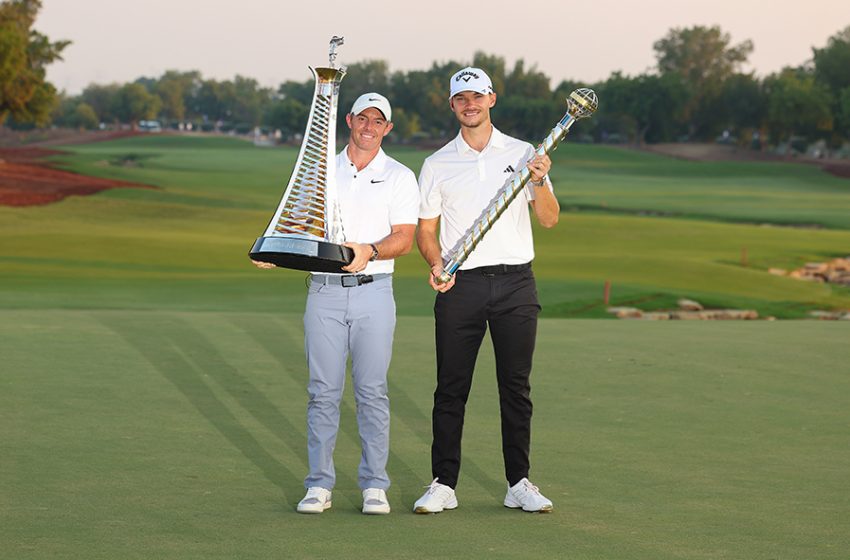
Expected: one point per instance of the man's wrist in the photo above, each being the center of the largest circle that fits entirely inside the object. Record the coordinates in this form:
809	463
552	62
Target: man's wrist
539	183
374	255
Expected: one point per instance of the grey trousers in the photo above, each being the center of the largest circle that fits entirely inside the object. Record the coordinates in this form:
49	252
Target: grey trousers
338	322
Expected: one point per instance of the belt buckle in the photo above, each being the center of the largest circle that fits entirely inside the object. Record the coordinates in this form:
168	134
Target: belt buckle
354	280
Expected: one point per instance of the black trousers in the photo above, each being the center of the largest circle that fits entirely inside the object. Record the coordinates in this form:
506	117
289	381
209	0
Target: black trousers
503	297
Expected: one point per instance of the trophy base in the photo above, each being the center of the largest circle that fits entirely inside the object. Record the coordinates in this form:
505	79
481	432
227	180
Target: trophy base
302	254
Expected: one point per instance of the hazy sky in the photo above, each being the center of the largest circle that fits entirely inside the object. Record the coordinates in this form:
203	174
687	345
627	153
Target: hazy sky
274	40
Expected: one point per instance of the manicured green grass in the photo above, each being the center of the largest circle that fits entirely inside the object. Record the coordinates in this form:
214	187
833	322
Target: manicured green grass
609	179
158	434
152	381
183	245
599	178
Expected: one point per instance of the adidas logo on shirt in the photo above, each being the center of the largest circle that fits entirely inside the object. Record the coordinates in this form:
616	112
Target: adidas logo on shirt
509	169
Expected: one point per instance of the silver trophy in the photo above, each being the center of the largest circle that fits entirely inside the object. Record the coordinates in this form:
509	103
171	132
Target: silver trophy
580	104
306	231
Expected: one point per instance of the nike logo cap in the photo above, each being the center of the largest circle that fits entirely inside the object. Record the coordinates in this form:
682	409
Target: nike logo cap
471	79
375	100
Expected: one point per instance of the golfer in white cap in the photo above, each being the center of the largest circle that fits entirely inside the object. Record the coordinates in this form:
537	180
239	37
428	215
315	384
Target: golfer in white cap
494	288
353	314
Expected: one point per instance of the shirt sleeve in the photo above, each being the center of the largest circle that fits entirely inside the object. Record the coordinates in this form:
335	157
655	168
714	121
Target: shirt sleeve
405	205
430	197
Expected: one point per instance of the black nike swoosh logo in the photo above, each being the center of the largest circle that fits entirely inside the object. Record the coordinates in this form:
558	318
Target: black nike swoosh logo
378	181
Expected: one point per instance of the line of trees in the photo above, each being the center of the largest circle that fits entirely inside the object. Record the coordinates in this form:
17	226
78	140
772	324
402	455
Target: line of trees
696	92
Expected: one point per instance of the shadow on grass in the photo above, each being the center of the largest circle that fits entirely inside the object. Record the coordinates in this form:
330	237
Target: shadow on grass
265	333
184	356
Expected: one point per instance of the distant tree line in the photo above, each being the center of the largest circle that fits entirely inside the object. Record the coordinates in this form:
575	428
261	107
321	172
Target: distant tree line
696	92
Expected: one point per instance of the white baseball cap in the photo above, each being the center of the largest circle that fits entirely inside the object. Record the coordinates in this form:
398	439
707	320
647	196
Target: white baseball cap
471	79
375	100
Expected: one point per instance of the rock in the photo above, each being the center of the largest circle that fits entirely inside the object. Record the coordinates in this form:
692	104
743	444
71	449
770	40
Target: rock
839	277
626	312
687	315
804	275
689	305
836	271
737	314
656	315
842	315
840	265
823	315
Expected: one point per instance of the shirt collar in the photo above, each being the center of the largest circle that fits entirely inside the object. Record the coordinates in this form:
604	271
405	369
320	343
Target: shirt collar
377	164
497	140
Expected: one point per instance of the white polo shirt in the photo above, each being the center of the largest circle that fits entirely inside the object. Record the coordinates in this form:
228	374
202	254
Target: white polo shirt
372	200
457	183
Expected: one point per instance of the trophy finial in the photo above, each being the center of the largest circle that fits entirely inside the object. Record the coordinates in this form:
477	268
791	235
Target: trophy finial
582	103
335	42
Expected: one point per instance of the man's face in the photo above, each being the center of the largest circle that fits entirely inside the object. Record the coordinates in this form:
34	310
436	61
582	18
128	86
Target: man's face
368	129
471	108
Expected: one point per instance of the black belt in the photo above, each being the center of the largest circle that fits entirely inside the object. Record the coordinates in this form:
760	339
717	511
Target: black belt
494	269
347	280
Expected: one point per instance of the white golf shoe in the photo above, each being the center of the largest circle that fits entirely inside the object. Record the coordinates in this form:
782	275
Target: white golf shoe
375	502
525	495
437	498
317	500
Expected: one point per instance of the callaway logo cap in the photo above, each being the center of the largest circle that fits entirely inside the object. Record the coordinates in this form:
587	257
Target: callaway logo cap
375	100
471	79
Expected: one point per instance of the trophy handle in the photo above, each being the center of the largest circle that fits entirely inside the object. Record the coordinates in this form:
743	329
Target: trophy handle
581	103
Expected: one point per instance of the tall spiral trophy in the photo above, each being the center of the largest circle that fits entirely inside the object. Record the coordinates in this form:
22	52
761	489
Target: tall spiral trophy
306	232
581	103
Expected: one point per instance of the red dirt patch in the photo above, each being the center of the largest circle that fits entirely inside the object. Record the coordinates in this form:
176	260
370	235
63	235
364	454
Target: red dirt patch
838	169
27	180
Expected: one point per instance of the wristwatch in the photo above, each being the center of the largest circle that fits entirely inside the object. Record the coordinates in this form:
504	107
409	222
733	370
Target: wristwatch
374	256
539	183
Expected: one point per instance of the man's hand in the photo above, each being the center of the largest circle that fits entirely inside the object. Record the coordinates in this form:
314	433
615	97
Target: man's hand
436	271
362	254
539	166
261	264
